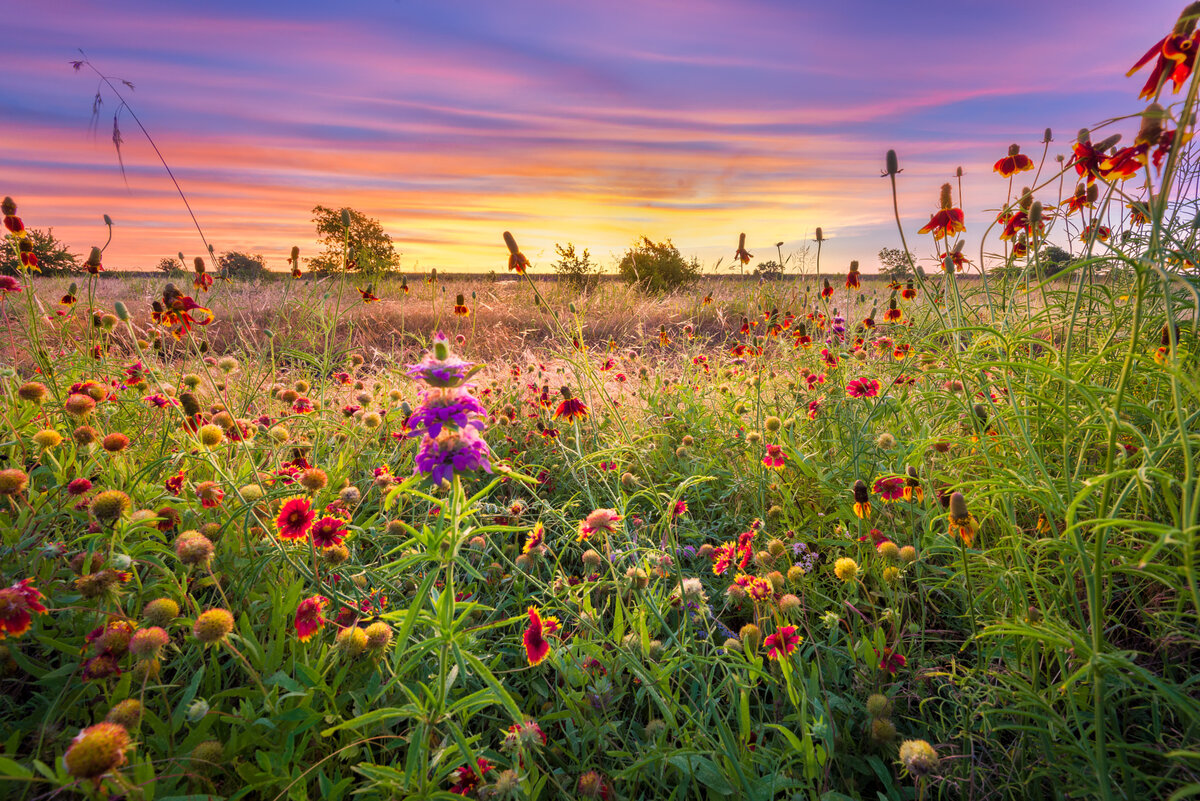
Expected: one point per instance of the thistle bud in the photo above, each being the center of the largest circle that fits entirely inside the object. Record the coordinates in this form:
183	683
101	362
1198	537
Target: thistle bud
893	163
346	218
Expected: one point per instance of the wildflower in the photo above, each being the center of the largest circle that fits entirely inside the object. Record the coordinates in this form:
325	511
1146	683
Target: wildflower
467	777
11	221
328	532
294	260
599	520
845	569
210	494
853	276
863	388
526	735
18	604
97	750
774	457
460	306
516	259
160	611
962	522
309	619
9	284
889	488
741	255
912	485
918	757
827	289
178	312
536	536
892	314
1101	233
110	505
203	280
537	648
891	661
453	451
862	500
947	221
193	548
295	518
368	294
782	643
1013	163
1174	54
212	626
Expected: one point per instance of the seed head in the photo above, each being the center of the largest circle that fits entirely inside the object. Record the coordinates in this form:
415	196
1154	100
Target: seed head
127	713
110	505
845	569
32	392
147	643
47	438
160	611
96	751
918	757
115	442
213	626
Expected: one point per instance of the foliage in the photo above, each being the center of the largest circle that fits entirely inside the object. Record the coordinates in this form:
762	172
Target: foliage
365	247
241	265
54	257
169	266
895	264
575	269
770	270
657	266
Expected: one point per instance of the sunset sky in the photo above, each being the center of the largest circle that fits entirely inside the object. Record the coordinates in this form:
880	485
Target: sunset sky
559	120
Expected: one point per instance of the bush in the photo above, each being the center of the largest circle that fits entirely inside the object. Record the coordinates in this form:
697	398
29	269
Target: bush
53	256
575	269
241	265
657	266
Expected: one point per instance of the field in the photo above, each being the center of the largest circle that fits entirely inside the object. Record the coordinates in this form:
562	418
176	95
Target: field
378	537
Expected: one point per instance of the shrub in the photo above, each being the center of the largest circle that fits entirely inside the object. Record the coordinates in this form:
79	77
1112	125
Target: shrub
575	269
657	266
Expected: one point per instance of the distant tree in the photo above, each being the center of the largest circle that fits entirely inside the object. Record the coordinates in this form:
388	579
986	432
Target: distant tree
770	270
370	248
169	266
241	265
657	266
896	264
54	258
1052	260
575	269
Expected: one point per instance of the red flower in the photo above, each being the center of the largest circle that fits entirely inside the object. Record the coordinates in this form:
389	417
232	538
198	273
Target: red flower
294	519
536	536
328	532
889	488
537	647
893	313
853	277
1102	232
827	290
368	294
466	778
174	484
1077	201
741	254
460	307
863	388
570	409
947	221
309	619
774	457
722	557
782	642
16	605
1013	163
1176	55
891	661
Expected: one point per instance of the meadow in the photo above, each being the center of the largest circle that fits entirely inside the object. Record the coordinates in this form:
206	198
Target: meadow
364	537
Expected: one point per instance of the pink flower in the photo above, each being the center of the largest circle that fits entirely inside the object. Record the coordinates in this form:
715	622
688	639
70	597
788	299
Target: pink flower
863	388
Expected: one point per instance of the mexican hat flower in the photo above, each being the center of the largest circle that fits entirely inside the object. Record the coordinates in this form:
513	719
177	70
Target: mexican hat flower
946	221
741	254
1174	55
853	277
1013	163
962	522
862	500
460	306
368	294
516	259
570	408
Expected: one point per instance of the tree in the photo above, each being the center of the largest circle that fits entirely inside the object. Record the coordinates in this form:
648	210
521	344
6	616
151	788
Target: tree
896	264
241	265
53	256
169	266
575	269
1052	260
370	248
771	270
657	266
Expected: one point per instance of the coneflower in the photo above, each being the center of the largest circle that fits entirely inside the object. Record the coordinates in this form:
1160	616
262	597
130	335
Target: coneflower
862	500
962	522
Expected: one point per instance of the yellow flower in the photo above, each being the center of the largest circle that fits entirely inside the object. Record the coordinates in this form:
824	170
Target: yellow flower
845	568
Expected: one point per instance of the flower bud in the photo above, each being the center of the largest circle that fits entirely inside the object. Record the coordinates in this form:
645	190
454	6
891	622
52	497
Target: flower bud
893	163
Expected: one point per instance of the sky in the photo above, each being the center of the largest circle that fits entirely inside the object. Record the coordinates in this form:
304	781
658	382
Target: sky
595	123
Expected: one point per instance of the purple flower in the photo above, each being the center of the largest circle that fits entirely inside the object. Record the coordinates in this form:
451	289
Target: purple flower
454	451
455	407
441	367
